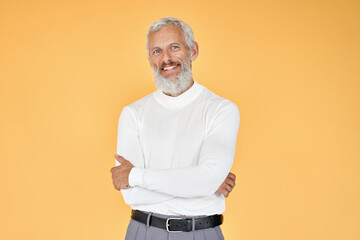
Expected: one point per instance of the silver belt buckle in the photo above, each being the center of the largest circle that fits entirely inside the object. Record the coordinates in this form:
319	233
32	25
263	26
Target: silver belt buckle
167	225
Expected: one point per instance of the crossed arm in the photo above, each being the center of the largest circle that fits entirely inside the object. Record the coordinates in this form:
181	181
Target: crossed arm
210	176
120	176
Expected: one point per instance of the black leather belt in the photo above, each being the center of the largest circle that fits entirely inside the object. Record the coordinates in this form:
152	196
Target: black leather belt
174	224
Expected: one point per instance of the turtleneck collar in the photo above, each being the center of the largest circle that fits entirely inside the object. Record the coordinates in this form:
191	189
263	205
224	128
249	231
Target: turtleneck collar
181	100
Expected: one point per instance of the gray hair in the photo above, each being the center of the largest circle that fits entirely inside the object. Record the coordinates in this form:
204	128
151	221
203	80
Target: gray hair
159	24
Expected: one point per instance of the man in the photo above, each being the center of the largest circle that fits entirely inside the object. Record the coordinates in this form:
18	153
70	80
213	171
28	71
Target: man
175	146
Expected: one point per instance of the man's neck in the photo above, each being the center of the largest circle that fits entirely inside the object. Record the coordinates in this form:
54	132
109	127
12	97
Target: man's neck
178	94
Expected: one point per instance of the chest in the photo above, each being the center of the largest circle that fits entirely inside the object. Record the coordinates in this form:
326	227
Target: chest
177	135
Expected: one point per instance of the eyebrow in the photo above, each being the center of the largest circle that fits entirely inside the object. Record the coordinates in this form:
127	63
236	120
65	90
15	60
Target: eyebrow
154	48
177	43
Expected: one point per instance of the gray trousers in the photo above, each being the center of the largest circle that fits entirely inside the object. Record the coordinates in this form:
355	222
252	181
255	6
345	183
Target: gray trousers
140	231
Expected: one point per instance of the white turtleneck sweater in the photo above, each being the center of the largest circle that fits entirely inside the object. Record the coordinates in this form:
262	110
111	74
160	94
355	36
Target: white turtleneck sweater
182	148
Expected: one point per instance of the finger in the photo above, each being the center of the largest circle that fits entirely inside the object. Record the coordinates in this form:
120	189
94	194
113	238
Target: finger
115	170
228	188
115	186
112	169
120	159
231	183
221	190
232	176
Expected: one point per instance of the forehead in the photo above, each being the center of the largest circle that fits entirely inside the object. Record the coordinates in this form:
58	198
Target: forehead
167	35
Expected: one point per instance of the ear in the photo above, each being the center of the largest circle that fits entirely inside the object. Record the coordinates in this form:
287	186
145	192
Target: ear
194	51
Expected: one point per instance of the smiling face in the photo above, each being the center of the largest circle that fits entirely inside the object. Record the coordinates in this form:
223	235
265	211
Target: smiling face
168	52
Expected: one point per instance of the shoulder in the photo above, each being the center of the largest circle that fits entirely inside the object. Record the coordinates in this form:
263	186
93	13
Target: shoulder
140	104
217	104
135	109
221	114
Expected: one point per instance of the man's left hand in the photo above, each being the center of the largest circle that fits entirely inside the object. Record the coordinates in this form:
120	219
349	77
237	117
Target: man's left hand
120	174
228	185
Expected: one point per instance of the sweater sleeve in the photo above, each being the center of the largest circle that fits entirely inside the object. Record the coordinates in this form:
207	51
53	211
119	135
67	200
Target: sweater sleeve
128	146
215	161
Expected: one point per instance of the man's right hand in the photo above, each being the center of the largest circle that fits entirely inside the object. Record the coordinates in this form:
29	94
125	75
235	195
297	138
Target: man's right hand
120	174
227	186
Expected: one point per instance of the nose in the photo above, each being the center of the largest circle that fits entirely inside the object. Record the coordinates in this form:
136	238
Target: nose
166	57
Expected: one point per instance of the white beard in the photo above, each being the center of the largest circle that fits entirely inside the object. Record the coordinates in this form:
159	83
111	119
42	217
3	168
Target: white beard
181	82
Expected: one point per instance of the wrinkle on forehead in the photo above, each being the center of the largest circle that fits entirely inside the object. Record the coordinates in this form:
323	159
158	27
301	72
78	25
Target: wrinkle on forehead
166	36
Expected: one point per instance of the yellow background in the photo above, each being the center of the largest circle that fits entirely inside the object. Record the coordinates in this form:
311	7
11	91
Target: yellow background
67	69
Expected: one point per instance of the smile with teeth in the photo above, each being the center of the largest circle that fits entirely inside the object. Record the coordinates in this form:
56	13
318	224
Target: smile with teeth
169	68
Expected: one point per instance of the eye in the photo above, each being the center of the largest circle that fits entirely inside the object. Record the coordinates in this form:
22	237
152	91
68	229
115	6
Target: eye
175	47
156	51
